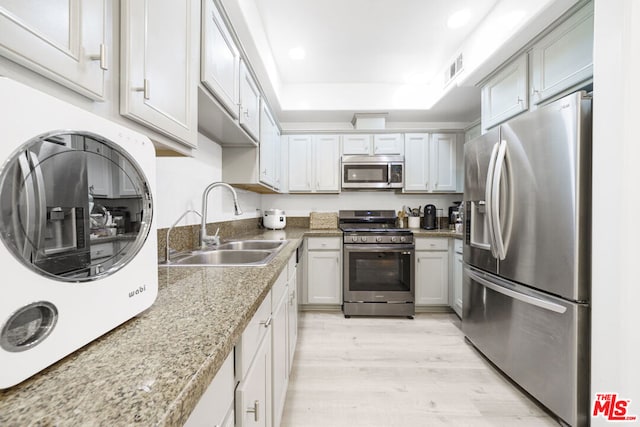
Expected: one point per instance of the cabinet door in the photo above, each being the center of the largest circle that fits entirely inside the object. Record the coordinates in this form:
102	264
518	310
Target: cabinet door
279	351
62	40
356	145
268	146
564	57
99	169
327	163
220	68
277	163
292	319
300	163
253	394
416	162
457	283
388	144
249	102
432	278
442	169
158	85
323	277
124	183
505	95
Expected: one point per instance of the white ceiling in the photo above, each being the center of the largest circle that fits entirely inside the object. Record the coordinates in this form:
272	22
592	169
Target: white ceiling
380	55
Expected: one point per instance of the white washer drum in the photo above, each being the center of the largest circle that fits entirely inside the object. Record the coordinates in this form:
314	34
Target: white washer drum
69	275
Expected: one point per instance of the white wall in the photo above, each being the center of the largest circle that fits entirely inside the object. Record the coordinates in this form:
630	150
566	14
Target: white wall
181	181
616	155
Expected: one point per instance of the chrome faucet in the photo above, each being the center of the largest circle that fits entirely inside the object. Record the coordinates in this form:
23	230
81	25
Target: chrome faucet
214	240
168	249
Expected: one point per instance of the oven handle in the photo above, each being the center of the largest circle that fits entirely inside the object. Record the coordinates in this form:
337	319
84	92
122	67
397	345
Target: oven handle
379	248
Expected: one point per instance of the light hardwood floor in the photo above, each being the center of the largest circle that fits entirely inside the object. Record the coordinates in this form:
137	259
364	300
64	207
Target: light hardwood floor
391	372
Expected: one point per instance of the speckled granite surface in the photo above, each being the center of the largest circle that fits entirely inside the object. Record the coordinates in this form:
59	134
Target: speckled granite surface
152	370
420	232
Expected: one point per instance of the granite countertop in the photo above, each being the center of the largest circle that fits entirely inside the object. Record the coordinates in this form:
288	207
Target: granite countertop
421	232
153	369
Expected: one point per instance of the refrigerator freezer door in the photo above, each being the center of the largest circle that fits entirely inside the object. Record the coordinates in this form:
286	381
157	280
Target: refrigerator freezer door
545	207
478	238
540	342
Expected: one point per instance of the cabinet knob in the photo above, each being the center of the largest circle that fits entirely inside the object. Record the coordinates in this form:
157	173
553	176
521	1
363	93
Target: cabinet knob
145	89
255	410
101	56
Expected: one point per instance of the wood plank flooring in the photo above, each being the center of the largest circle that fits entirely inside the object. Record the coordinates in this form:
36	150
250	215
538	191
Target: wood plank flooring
392	372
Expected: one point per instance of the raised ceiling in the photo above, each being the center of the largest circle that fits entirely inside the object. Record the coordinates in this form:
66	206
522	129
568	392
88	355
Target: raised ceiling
377	55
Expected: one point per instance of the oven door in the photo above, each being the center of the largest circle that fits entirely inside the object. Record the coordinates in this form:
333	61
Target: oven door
379	273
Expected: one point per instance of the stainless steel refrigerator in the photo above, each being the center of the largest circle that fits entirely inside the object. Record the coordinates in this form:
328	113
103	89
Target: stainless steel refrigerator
527	252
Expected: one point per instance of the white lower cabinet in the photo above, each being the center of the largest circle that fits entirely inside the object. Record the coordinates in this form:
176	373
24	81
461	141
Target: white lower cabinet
253	395
324	271
280	347
457	276
432	271
292	311
215	407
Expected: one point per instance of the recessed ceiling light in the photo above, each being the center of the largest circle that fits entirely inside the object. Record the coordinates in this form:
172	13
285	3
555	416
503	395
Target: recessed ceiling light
459	19
297	53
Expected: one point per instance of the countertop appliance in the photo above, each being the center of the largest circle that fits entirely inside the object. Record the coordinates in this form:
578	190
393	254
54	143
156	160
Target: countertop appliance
379	262
274	219
372	172
430	217
527	252
63	288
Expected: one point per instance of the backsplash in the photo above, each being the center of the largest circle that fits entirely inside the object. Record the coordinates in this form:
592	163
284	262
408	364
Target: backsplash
186	237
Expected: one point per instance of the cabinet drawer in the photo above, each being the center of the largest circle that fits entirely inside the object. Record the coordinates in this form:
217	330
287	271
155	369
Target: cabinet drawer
101	250
432	244
251	337
326	243
457	246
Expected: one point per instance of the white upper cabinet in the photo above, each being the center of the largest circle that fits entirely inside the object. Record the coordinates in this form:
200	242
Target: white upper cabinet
431	162
269	147
564	57
314	163
220	67
159	70
356	144
391	144
249	102
64	40
505	94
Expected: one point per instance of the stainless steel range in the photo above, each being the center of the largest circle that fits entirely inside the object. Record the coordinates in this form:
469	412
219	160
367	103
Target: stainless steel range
379	261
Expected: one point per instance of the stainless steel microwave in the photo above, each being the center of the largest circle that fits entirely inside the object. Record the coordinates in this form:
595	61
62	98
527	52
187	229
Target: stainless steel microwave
368	172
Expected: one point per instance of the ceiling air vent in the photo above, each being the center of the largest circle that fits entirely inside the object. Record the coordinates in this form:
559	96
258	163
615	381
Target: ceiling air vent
369	121
453	70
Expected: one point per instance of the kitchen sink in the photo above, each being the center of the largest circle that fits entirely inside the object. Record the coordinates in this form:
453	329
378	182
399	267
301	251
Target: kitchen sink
236	253
252	244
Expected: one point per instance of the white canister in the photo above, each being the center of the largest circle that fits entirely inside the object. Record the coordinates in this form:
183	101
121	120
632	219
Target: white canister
414	222
274	219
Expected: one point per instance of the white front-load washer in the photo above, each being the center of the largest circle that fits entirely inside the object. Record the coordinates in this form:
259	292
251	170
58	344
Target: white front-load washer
78	251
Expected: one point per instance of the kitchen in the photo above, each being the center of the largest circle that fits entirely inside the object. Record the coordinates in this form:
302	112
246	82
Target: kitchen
613	371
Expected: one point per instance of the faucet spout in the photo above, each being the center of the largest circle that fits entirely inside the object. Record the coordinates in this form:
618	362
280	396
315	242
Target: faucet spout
167	247
205	239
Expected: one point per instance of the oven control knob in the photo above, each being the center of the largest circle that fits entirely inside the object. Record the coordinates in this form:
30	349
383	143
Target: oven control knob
363	238
402	239
394	239
378	239
354	238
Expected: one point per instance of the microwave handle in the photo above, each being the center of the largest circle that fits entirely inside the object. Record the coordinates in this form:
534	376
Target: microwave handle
389	173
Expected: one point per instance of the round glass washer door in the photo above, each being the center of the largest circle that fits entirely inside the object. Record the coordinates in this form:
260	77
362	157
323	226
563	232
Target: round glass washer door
74	206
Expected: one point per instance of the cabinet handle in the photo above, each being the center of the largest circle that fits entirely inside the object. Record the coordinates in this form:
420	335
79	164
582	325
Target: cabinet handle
266	323
144	89
246	113
534	92
255	410
102	57
520	100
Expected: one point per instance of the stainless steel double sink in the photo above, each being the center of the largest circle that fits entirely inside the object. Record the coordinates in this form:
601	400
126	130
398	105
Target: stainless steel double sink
236	253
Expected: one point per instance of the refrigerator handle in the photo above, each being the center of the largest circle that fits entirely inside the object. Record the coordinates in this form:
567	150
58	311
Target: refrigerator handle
488	196
495	201
528	299
30	207
41	201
